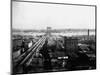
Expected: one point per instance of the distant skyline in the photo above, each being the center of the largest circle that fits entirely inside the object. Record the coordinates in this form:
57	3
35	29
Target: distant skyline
40	16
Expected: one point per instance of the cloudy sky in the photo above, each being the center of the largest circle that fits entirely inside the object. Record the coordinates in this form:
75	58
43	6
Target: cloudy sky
27	15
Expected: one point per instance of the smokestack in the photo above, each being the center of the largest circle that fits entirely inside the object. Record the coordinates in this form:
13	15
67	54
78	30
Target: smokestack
88	34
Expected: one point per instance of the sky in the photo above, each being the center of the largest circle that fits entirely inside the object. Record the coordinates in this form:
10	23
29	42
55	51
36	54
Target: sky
27	16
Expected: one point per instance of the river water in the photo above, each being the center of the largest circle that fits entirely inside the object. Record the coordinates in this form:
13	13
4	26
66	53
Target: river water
64	34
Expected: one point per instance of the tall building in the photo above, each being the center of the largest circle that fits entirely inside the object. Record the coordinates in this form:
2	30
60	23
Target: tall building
71	45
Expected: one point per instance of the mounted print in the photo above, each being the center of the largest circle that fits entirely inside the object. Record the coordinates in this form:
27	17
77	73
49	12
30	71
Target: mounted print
52	37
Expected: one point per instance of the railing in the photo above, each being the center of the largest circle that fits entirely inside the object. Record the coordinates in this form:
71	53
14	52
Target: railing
26	57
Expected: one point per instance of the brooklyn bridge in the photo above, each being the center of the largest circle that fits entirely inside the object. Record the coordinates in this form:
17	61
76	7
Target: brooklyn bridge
48	52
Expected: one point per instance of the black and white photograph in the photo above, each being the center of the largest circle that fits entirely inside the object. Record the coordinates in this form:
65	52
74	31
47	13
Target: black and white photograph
52	37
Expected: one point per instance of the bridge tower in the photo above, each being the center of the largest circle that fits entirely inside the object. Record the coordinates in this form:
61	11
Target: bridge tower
48	31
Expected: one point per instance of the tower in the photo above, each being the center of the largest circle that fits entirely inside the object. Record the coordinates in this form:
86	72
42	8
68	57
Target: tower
48	30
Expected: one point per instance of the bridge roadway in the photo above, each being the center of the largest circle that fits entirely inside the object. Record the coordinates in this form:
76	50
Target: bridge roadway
26	56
